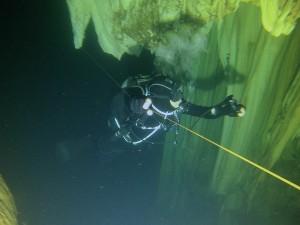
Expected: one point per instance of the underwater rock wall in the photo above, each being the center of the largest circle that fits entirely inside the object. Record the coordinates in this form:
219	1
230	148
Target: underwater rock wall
129	25
270	129
8	211
262	71
270	67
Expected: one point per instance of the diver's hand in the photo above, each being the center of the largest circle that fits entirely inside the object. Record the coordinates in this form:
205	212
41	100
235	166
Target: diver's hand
229	107
238	111
233	108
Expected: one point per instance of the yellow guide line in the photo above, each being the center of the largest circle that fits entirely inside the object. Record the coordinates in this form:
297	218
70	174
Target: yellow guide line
240	157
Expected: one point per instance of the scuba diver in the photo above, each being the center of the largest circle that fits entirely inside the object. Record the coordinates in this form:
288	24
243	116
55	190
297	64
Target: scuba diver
149	105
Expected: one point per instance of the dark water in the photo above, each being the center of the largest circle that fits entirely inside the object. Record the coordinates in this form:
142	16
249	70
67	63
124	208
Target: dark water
54	106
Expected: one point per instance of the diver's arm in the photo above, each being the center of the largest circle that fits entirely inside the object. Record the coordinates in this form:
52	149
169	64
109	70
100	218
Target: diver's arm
198	111
228	107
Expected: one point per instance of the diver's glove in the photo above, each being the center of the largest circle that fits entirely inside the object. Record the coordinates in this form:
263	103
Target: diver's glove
229	107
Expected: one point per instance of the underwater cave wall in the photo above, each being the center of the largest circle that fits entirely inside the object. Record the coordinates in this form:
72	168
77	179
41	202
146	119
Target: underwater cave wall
262	71
271	127
8	211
